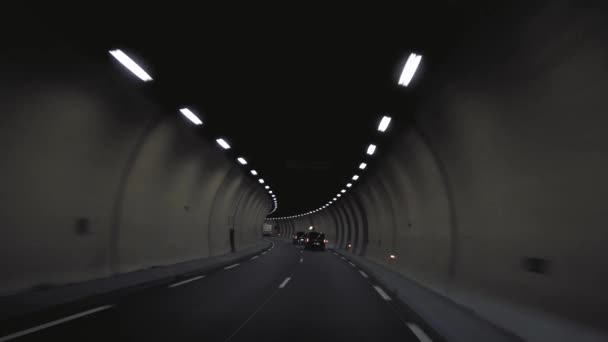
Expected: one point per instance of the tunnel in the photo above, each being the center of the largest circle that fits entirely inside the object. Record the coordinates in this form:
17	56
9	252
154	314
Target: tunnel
172	182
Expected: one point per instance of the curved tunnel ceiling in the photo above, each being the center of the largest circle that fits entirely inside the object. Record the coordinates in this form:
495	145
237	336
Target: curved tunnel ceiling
299	99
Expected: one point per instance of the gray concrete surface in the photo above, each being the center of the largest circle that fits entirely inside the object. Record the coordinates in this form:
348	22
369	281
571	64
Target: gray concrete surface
99	179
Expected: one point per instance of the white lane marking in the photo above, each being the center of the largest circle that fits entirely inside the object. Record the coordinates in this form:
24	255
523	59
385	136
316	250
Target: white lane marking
255	257
343	258
353	265
231	266
263	253
284	282
301	259
363	274
53	323
382	293
186	281
419	333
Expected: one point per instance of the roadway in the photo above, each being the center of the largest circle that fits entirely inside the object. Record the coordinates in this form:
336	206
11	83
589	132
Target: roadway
284	294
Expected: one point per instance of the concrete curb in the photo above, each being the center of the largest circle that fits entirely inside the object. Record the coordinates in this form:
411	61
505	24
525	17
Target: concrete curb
34	302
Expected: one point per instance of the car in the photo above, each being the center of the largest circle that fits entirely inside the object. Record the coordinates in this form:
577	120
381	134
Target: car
315	240
298	238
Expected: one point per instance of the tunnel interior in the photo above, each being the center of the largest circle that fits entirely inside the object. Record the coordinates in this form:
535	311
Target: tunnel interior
486	190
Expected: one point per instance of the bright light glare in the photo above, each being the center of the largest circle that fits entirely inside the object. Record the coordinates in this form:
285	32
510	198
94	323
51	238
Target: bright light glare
242	160
343	191
355	177
254	172
261	181
410	68
335	199
371	149
362	166
267	187
191	116
269	191
339	195
386	120
131	65
310	228
349	185
223	143
330	202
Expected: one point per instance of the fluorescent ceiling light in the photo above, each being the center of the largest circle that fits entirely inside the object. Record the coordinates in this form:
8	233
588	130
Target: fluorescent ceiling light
330	202
371	149
223	143
343	191
128	63
386	120
191	116
362	166
269	191
267	187
335	199
355	177
349	185
261	181
254	172
409	69
242	160
339	195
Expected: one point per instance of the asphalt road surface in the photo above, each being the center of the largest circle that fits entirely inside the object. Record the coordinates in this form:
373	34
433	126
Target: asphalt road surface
285	294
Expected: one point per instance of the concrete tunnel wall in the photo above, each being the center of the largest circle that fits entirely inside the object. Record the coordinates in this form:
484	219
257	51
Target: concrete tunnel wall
97	178
495	195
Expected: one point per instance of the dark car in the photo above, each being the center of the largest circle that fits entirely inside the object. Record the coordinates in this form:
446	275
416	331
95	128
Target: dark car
298	238
315	240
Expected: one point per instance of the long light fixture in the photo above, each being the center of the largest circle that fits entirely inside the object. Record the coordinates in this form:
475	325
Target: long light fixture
242	160
339	195
362	166
409	69
254	172
191	116
261	181
128	63
349	185
355	177
267	187
386	120
223	143
371	149
343	190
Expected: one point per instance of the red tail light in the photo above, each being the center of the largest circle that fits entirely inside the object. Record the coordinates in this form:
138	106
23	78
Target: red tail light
325	241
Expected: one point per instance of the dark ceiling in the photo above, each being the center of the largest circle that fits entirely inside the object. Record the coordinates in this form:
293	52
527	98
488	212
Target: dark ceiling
297	92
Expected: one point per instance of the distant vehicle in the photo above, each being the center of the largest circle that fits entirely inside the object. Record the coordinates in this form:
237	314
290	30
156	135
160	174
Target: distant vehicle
267	229
315	240
298	238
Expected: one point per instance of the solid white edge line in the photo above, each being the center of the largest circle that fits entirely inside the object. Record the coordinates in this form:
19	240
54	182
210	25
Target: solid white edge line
350	263
343	258
363	274
284	282
419	333
186	281
382	293
53	323
231	266
254	257
263	253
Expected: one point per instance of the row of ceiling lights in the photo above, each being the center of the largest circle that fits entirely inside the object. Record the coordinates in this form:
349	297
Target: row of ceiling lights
406	77
128	63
